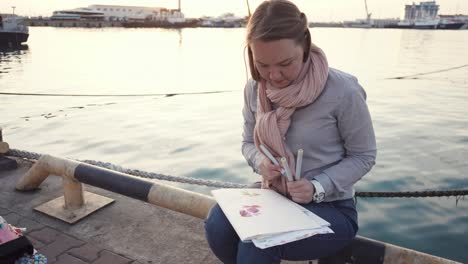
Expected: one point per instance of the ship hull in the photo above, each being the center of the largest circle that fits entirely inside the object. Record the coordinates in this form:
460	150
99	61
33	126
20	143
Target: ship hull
397	26
425	27
159	24
13	38
451	26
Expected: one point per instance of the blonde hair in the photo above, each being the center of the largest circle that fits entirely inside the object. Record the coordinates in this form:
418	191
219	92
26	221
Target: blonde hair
275	20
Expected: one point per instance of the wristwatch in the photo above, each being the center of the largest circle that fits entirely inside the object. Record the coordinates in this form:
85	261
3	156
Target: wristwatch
319	193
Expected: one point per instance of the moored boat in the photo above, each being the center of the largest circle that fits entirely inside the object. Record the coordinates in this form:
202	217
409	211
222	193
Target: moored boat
12	31
426	23
451	25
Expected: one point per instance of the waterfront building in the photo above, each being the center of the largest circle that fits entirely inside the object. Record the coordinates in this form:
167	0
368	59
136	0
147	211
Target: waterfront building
424	10
422	15
121	13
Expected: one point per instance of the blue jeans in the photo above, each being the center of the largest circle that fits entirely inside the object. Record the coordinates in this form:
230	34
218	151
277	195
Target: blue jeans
226	245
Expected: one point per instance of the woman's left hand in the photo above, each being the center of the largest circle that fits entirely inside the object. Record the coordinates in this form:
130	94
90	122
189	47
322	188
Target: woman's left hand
301	191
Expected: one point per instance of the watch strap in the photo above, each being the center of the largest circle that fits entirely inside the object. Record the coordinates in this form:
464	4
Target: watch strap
319	193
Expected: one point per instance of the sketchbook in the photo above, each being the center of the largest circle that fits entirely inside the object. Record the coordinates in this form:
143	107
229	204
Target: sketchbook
267	218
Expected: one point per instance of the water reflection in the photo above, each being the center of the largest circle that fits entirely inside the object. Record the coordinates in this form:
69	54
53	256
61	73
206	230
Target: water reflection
420	123
10	57
14	48
179	32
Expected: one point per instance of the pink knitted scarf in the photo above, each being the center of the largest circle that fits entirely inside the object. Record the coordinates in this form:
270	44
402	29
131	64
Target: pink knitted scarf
272	124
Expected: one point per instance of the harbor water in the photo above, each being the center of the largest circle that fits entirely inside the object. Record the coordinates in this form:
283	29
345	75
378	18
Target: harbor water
417	91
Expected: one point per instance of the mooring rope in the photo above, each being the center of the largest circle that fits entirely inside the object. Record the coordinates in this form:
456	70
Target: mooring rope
149	175
114	95
426	73
218	184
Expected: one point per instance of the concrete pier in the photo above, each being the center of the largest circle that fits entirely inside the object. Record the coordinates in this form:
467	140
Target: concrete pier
127	231
71	23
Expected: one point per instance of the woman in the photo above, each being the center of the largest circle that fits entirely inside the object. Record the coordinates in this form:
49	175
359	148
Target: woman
294	101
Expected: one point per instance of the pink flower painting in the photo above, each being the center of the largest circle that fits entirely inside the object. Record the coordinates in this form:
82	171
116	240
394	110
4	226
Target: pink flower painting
250	210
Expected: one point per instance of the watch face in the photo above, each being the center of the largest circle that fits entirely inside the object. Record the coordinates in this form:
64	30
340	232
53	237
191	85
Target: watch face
318	197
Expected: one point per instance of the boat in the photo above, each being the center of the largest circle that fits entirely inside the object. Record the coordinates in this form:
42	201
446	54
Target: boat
160	24
401	24
13	32
457	21
417	16
227	20
425	16
432	23
451	25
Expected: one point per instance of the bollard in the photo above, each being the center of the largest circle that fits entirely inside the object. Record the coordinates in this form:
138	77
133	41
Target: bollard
75	204
75	173
5	163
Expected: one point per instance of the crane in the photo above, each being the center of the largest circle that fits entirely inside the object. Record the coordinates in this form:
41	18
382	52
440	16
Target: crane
368	15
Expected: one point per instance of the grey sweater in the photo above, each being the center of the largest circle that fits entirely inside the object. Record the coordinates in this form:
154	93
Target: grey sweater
335	133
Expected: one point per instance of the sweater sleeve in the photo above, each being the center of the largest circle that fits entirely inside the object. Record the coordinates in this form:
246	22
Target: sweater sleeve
357	134
250	152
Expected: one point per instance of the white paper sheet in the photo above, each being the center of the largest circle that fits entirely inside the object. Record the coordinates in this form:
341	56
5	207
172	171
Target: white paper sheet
268	218
280	239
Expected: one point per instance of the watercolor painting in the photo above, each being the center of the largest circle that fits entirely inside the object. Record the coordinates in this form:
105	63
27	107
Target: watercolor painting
249	193
250	210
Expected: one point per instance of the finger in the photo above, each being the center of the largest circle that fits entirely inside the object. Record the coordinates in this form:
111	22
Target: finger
276	173
294	186
273	167
302	196
270	175
298	199
302	200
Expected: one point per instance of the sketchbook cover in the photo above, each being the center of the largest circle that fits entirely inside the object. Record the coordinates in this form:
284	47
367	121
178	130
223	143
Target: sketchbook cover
256	213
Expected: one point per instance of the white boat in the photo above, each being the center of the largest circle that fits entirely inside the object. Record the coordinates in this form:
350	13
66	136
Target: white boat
13	32
59	15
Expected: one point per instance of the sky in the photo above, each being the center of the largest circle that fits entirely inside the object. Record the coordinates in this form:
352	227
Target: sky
316	10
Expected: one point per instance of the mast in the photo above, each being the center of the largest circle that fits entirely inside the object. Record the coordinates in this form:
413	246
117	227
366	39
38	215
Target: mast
248	7
179	8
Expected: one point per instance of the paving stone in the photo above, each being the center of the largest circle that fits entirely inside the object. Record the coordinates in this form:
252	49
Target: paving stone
107	257
60	245
30	225
36	243
46	235
4	211
68	259
87	252
12	218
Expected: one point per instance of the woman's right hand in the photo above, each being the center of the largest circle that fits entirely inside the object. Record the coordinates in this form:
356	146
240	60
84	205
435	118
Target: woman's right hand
268	170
